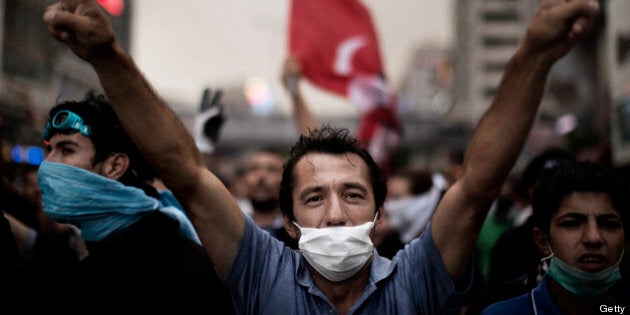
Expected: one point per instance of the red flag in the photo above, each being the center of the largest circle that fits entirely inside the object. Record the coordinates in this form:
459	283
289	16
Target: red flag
334	41
337	47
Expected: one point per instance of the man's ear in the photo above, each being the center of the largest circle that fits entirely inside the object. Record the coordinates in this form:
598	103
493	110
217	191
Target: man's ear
115	166
290	227
381	226
380	215
540	238
380	218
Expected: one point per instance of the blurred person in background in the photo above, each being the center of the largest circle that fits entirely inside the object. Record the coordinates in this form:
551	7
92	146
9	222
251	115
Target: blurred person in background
45	247
412	196
291	78
262	176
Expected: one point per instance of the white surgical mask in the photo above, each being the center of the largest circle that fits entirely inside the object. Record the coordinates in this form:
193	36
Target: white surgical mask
410	215
337	252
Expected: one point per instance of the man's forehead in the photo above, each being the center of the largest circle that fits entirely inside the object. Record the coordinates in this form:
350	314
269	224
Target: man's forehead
75	138
322	167
584	203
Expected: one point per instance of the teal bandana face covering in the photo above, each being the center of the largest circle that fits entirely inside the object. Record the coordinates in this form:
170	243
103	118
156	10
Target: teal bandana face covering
580	282
95	204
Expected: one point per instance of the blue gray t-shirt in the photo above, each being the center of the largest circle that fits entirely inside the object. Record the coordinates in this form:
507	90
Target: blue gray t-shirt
269	278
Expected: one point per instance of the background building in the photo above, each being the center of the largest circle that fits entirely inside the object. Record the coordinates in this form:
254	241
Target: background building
575	108
617	77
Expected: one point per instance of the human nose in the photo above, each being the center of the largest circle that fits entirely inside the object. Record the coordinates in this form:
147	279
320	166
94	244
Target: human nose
592	234
335	215
50	156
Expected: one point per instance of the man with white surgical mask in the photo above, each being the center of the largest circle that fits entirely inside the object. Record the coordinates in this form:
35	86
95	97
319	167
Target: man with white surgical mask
332	191
579	215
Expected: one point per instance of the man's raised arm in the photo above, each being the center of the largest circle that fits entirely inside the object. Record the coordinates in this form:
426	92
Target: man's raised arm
503	129
155	129
303	118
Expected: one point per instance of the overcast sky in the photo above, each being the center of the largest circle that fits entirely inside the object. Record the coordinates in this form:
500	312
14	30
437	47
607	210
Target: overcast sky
184	46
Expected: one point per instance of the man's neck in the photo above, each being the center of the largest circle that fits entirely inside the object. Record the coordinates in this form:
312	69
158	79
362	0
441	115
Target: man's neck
343	294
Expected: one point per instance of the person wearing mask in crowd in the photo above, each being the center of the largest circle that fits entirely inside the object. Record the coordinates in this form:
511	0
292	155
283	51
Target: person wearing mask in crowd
412	196
579	217
515	253
141	253
402	185
331	191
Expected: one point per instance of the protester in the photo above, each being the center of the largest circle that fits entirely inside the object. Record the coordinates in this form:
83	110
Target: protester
263	172
412	196
141	253
515	253
332	191
579	217
291	77
515	263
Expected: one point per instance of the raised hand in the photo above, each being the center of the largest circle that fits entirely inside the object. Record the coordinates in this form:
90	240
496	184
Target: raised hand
82	25
291	75
557	24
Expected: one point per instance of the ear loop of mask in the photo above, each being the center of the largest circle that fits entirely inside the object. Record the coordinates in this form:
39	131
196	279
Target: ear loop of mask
623	251
550	250
543	266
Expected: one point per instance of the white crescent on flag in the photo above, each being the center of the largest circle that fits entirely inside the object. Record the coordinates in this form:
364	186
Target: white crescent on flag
344	53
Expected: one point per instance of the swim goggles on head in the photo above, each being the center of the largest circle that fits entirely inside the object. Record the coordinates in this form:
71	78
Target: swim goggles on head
64	120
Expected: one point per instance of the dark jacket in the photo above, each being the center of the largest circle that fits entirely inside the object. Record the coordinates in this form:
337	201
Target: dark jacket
149	266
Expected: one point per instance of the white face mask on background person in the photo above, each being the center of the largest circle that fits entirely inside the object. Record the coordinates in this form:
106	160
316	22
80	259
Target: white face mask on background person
337	252
410	215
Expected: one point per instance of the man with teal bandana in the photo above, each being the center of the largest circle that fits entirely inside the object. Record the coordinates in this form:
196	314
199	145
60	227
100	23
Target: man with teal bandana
142	253
579	216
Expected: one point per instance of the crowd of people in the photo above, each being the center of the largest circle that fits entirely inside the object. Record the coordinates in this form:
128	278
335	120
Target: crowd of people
125	214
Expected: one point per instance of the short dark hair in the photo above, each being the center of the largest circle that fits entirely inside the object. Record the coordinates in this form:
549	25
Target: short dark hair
108	137
334	141
567	177
545	160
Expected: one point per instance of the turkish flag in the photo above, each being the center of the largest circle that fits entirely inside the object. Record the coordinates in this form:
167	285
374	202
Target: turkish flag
337	48
334	41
